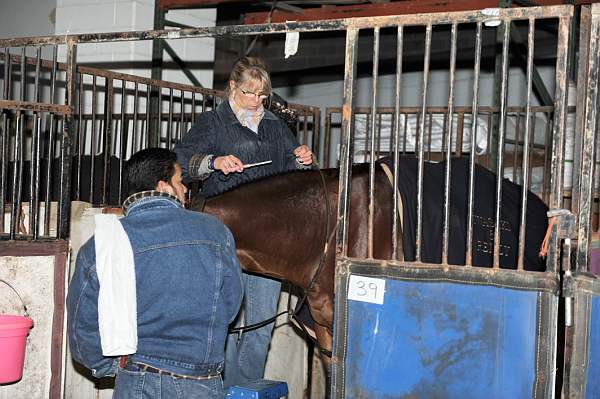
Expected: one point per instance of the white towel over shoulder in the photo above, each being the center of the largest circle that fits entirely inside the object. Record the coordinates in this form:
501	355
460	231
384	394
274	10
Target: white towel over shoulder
117	305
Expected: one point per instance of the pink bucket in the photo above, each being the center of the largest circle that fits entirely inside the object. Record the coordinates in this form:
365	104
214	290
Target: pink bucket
13	335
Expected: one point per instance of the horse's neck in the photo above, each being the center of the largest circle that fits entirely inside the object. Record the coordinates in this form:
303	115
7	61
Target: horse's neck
279	231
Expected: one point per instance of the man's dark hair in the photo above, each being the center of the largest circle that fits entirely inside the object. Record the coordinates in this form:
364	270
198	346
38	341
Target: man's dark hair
147	167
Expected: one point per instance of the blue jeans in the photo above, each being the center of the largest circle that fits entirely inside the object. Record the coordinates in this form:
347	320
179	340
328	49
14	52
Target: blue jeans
134	384
246	354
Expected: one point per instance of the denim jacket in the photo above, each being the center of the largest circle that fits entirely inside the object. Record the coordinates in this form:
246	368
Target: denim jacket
189	289
219	133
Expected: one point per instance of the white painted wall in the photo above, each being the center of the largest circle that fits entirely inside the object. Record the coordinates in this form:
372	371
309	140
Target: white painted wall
87	16
200	50
330	94
26	18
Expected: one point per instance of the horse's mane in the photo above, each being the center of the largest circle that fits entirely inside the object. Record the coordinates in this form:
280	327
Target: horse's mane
272	180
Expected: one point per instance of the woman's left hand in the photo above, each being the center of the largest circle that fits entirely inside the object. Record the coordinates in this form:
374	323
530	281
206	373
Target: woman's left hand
303	155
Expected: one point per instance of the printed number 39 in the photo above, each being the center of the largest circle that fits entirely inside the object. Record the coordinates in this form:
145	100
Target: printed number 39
366	289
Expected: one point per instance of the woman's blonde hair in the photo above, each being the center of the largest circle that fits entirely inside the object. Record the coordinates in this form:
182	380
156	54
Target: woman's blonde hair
250	69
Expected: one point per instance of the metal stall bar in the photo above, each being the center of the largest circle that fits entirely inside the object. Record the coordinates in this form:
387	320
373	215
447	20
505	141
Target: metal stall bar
474	111
81	136
35	155
347	142
327	138
123	139
590	126
170	121
155	137
526	144
146	143
16	212
582	78
50	145
94	140
182	122
194	107
135	145
501	134
317	131
396	229
107	137
420	144
558	135
4	142
581	288
373	150
64	205
448	137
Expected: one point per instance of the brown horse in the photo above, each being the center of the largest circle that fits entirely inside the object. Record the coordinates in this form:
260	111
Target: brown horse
279	224
279	227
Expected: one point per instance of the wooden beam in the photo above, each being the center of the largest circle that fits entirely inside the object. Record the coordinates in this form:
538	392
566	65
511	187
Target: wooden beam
400	7
171	4
372	10
34	248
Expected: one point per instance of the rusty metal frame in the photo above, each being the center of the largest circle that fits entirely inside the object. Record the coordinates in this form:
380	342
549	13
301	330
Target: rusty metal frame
103	124
417	269
588	150
580	287
352	28
277	28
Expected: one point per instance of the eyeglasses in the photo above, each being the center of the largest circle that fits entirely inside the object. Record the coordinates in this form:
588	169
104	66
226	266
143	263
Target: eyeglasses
251	94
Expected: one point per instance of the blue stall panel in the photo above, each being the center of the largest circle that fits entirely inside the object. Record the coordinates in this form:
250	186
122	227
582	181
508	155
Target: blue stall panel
592	389
442	340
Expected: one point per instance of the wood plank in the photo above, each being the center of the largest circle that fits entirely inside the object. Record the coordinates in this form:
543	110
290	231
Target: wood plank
170	4
402	7
35	248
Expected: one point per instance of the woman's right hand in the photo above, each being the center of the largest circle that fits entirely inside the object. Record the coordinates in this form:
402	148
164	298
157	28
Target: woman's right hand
228	164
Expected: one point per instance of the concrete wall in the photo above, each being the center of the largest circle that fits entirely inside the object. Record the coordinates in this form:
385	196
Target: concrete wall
33	278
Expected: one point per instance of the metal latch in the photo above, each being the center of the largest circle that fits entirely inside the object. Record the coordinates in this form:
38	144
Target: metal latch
565	222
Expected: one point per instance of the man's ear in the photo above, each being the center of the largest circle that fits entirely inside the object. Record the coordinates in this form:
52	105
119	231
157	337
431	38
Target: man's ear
231	85
164	187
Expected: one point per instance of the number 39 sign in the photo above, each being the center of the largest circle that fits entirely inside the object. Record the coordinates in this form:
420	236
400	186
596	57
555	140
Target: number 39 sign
366	289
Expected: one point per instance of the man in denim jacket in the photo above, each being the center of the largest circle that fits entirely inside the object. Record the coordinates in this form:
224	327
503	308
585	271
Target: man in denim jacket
188	289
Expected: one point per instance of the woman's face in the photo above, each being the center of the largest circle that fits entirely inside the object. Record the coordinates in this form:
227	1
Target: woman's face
248	95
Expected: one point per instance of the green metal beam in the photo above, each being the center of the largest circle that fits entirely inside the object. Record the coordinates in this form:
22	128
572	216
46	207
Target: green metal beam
156	73
174	24
180	63
495	133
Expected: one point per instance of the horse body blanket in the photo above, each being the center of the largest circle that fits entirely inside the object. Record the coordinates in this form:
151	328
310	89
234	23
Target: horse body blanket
483	215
